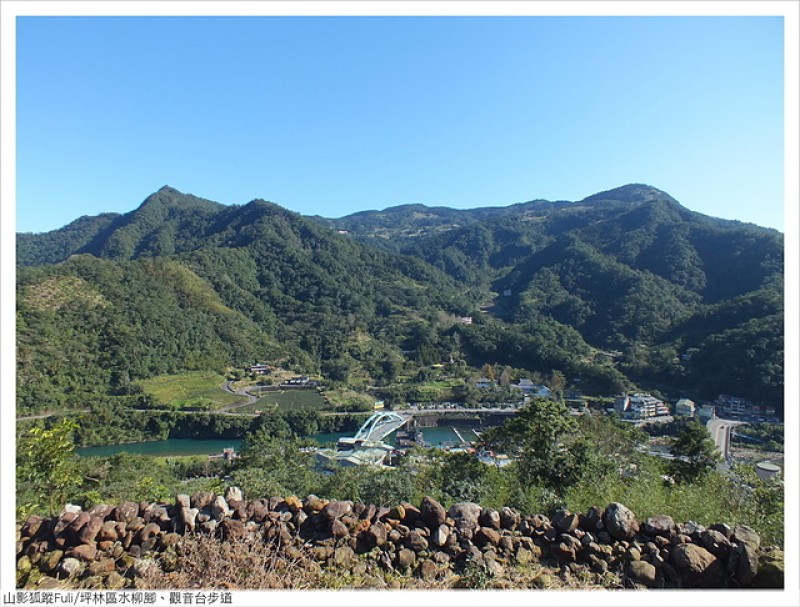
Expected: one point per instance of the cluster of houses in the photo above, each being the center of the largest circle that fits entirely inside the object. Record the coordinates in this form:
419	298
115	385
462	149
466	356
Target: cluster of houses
526	386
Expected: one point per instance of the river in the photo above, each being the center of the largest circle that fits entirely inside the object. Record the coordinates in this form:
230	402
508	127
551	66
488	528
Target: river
436	436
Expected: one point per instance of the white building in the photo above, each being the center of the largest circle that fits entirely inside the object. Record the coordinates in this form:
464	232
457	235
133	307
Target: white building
639	406
685	408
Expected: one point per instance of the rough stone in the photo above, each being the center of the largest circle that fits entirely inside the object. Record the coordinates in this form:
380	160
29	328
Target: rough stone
126	512
489	517
88	534
63	523
376	534
32	525
716	543
339	529
486	535
188	516
343	556
70	567
642	572
509	518
620	522
219	508
661	525
336	509
234	494
440	535
232	529
566	522
83	552
697	566
746	563
427	570
747	535
593	519
771	569
50	560
416	542
465	515
202	499
432	512
397	513
405	559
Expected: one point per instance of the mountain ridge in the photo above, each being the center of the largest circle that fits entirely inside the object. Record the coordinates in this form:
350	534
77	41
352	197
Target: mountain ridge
547	283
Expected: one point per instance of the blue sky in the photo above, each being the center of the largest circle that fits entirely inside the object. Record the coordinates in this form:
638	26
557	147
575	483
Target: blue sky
332	115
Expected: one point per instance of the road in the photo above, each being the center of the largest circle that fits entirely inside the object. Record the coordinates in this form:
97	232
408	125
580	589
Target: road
45	415
720	430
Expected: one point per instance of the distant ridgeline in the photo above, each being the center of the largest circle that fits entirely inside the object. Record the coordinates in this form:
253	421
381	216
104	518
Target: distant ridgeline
687	302
318	543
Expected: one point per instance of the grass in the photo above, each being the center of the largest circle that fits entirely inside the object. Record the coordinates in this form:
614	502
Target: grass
204	562
188	389
286	401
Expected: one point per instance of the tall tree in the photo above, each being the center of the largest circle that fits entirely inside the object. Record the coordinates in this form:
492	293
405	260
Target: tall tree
695	454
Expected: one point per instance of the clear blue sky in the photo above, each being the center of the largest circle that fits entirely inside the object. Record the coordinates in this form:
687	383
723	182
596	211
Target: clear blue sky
334	115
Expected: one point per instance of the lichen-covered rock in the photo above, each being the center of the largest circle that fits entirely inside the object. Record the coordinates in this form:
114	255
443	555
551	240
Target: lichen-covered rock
771	569
620	522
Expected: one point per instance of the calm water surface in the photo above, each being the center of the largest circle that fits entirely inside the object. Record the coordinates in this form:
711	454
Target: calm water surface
436	436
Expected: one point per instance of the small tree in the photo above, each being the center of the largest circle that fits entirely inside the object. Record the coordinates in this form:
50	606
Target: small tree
547	443
695	454
46	460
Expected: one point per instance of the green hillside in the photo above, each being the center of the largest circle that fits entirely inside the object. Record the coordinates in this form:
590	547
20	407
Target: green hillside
181	283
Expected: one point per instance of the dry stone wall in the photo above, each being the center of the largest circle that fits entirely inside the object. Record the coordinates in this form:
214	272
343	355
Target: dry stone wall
109	546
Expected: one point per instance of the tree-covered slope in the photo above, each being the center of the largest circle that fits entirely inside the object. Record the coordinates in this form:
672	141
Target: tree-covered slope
629	269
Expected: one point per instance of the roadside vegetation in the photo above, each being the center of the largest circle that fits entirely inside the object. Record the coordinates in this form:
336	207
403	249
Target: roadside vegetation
561	462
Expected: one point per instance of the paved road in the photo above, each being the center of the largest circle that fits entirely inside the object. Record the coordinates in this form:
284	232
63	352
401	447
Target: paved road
720	430
45	415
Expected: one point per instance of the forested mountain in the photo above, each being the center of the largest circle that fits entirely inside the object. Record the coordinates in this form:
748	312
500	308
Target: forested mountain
181	282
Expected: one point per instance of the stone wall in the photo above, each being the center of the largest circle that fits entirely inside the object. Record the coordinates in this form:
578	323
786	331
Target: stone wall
104	546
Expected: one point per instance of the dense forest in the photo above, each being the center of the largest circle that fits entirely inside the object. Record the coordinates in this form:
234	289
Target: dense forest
625	288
